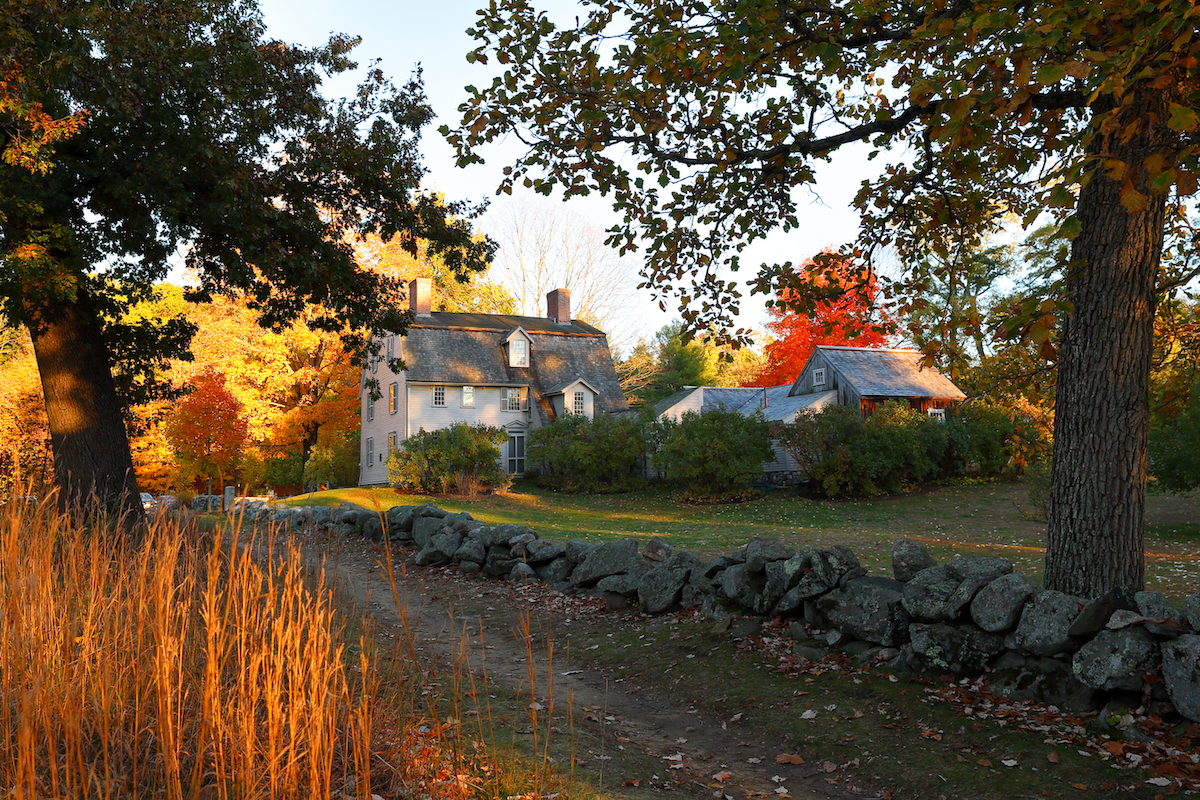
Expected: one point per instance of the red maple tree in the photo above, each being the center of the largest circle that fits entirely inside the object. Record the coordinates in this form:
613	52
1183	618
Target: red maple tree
207	429
842	313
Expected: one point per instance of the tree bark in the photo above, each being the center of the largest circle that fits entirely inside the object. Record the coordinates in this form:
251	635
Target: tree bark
87	428
1096	534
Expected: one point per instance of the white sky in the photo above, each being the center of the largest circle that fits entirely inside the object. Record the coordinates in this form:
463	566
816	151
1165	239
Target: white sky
404	33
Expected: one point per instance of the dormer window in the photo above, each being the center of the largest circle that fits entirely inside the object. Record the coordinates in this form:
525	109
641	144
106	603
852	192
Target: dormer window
818	377
518	353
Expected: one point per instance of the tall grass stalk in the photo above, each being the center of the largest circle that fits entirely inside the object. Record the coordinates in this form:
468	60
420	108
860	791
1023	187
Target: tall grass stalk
171	666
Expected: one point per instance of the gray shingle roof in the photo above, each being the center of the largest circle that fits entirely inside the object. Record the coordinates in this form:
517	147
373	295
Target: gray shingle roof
782	406
889	373
466	349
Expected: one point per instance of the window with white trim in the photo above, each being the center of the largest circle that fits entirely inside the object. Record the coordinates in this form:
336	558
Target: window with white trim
391	347
370	451
468	397
370	408
577	405
818	377
516	453
512	399
393	397
439	395
518	353
937	413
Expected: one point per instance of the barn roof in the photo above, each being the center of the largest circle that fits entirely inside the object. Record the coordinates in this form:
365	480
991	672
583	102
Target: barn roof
878	372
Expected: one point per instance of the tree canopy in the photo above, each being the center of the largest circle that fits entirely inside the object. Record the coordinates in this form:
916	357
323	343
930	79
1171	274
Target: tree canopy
133	133
702	118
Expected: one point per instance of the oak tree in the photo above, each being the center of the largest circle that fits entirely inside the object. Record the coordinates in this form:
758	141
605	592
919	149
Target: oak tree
136	131
703	118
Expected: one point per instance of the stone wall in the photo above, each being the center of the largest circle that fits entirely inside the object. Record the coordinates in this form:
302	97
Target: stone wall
969	616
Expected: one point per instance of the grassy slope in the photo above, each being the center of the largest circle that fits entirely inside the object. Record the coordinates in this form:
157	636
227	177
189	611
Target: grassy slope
990	519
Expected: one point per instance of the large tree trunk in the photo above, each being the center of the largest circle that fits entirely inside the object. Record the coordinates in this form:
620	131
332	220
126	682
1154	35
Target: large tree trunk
1098	480
87	429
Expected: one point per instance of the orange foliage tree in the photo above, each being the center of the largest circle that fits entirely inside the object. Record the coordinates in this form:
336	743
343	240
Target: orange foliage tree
841	311
207	430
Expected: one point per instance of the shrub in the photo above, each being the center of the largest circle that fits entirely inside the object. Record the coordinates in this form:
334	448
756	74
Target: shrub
461	458
716	454
575	454
334	464
1175	449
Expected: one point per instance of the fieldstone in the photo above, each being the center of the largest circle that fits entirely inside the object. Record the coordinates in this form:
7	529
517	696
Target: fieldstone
489	536
741	585
831	564
440	549
610	558
926	593
520	540
468	567
760	552
811	652
1116	659
720	564
429	510
1045	622
522	573
1096	613
399	519
546	553
555	571
424	527
578	551
624	583
960	649
697	590
1156	606
661	588
1122	618
656	549
997	607
321	514
471	550
373	528
518	533
869	608
909	558
1048	680
499	563
976	572
344	530
744	627
1181	674
853	574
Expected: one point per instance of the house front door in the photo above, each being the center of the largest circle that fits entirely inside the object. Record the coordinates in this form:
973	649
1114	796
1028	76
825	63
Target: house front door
516	454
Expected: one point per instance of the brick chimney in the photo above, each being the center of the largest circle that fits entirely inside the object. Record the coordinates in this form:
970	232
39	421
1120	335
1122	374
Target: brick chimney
558	306
420	296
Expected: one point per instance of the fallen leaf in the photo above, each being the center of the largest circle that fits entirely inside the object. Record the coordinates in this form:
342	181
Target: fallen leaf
1159	781
1080	786
983	762
1114	748
722	775
858	714
633	782
736	717
930	733
1052	757
788	758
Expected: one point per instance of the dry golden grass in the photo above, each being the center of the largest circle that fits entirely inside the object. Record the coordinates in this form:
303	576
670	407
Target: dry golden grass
179	666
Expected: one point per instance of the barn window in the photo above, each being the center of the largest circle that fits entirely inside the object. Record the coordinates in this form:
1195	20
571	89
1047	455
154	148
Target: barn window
439	395
818	377
937	413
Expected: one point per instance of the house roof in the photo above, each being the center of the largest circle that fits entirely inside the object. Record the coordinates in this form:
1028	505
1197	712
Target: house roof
877	372
562	387
730	397
468	349
782	405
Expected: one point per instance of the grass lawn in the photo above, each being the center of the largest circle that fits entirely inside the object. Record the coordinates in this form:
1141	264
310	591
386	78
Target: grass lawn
992	519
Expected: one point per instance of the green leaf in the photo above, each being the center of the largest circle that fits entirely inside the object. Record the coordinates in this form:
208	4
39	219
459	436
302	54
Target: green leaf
1182	118
1048	74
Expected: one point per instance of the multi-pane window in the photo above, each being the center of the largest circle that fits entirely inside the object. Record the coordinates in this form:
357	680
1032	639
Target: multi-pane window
937	413
518	353
439	395
818	377
370	451
516	454
577	405
393	397
370	408
512	399
468	397
391	347
391	443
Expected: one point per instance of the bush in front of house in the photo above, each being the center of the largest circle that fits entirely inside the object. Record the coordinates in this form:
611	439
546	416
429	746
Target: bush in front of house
575	454
715	455
463	459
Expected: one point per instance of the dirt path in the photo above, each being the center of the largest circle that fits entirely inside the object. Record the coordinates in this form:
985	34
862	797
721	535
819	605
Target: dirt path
448	615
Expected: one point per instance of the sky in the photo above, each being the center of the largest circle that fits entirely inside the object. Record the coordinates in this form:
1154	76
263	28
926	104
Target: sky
405	33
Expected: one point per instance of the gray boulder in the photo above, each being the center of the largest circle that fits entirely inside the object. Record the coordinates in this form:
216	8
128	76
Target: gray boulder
373	528
1047	680
522	573
760	552
610	558
1045	622
868	608
959	649
555	571
1156	606
429	510
399	520
926	593
661	588
1116	659
440	549
656	549
471	550
741	585
468	567
831	564
544	554
722	563
909	558
997	607
425	527
578	551
499	563
1096	613
1181	674
1191	611
624	583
